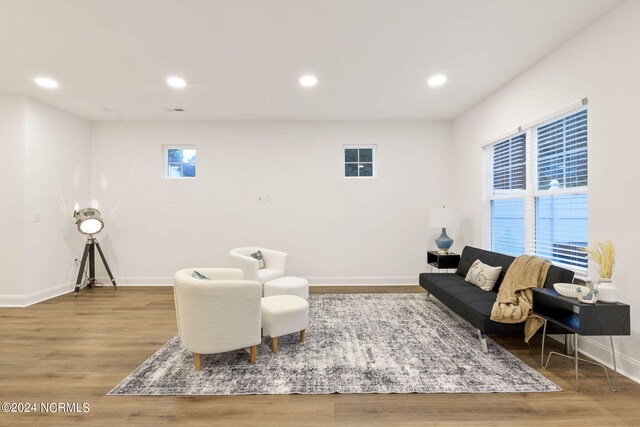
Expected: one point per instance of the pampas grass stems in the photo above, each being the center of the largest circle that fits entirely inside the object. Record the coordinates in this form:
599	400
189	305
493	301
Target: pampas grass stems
604	254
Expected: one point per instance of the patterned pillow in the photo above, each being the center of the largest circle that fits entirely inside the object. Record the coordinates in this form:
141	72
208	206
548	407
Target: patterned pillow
482	275
198	275
260	258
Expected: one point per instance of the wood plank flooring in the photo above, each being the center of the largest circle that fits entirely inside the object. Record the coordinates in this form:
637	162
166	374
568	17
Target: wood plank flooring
76	349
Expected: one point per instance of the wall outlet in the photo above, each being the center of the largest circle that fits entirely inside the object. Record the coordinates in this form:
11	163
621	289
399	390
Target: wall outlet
269	197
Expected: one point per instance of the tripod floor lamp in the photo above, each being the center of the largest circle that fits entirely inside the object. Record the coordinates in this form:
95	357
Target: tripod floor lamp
89	221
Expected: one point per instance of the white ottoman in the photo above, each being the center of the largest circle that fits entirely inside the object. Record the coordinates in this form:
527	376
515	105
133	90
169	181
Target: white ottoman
283	315
287	285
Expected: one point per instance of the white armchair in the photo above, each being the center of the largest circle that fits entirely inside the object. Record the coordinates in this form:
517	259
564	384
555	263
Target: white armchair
217	315
275	263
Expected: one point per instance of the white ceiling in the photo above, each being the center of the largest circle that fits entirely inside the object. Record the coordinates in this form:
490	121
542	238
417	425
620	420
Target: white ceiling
242	58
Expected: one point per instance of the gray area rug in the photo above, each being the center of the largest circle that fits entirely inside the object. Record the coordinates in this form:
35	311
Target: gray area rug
363	343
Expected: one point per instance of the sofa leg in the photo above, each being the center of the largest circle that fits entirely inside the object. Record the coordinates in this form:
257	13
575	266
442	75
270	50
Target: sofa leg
483	341
428	295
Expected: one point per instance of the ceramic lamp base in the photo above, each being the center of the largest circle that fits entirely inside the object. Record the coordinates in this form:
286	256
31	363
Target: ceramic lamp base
444	242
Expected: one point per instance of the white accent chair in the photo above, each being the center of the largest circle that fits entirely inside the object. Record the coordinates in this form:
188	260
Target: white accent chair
275	263
217	315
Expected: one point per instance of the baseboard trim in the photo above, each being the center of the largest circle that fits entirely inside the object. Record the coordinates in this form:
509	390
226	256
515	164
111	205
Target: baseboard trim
35	297
313	281
365	280
11	300
599	352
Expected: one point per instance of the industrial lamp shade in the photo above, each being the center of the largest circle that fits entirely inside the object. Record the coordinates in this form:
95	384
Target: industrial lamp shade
89	221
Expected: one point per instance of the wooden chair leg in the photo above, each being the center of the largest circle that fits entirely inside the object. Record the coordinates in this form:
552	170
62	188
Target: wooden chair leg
197	359
302	335
274	344
252	354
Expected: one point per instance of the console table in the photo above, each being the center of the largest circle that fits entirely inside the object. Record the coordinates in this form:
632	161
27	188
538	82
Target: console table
442	261
581	319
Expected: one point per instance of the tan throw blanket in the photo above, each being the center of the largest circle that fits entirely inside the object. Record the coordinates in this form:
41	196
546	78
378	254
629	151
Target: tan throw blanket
514	301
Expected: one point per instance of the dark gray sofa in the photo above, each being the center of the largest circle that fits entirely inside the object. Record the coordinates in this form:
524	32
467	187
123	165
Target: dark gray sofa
472	303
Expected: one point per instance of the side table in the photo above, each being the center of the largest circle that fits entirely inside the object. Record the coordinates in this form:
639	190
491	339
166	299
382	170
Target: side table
442	261
582	319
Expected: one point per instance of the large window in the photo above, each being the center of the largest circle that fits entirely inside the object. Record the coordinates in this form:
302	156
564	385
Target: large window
536	198
179	161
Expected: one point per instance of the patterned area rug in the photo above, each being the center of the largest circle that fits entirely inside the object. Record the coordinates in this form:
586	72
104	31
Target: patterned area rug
364	343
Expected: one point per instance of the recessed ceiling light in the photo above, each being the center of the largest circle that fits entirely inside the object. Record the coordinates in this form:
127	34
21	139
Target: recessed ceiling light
176	82
46	82
437	80
308	80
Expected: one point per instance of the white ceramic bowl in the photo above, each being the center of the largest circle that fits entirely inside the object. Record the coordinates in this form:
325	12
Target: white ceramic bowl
571	290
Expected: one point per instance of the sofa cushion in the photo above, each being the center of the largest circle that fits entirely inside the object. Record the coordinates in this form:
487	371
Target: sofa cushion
260	258
483	275
198	275
470	254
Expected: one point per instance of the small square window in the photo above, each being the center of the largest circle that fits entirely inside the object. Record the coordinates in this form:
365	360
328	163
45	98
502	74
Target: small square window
179	161
359	161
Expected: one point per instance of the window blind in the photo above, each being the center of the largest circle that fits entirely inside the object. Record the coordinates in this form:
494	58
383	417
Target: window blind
536	191
560	205
505	171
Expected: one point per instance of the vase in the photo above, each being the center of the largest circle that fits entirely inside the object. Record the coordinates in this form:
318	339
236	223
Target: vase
607	291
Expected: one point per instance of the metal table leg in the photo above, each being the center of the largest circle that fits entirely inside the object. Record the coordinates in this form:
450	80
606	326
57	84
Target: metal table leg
576	358
615	370
575	353
544	336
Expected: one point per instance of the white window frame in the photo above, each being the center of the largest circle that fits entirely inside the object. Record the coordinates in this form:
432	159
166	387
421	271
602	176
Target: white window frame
532	191
165	160
374	165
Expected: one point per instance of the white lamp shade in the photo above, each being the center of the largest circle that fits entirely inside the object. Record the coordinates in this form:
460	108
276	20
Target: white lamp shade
444	218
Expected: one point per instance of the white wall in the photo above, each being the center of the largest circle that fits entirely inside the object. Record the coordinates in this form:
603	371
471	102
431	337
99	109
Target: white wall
12	140
336	230
46	173
603	65
56	180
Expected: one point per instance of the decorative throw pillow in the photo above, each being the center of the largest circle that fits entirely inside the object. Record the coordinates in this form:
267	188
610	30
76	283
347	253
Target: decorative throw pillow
482	275
260	258
198	275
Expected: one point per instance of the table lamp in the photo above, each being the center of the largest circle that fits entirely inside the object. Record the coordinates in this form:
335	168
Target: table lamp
443	218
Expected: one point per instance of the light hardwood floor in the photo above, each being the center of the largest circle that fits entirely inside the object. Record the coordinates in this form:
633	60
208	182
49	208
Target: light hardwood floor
76	349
